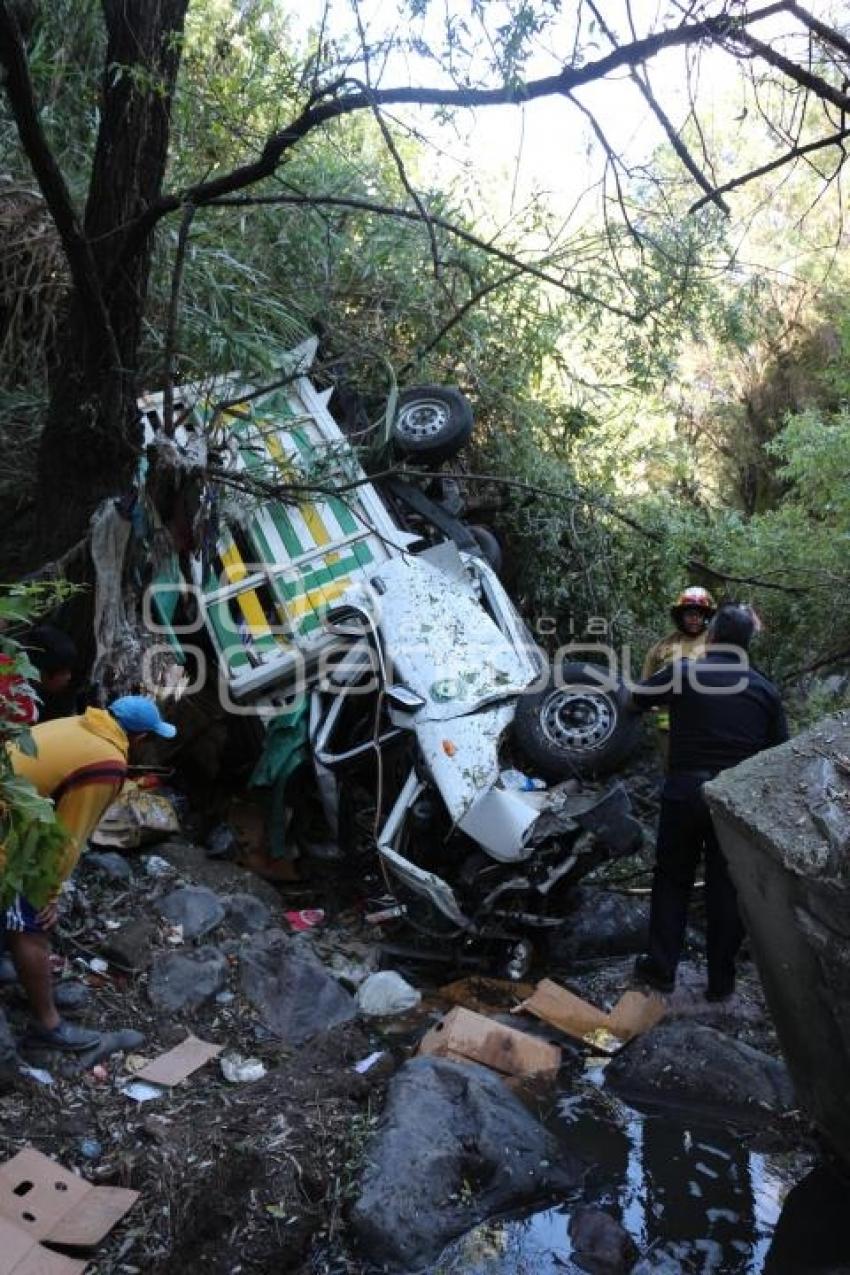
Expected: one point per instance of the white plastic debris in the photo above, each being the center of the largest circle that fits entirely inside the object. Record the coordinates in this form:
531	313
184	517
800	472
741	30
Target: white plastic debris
156	866
140	1091
366	1064
386	993
241	1071
98	965
36	1073
515	779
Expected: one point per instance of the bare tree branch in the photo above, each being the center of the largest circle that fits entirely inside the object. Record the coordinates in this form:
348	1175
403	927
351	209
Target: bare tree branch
173	316
408	214
317	113
641	81
835	140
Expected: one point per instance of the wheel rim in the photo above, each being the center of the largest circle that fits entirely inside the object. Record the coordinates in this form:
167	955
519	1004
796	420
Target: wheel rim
578	719
426	418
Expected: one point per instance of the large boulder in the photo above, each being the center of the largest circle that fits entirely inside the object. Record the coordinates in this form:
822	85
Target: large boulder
453	1146
602	923
684	1062
185	980
286	982
783	819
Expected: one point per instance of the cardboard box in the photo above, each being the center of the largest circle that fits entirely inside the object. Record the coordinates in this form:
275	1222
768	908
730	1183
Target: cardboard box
634	1013
47	1203
470	1037
173	1067
20	1254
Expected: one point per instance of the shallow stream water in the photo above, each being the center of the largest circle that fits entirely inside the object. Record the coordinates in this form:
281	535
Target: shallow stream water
695	1197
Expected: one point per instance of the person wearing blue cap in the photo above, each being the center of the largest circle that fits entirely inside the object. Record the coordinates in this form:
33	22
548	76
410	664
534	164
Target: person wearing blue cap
81	763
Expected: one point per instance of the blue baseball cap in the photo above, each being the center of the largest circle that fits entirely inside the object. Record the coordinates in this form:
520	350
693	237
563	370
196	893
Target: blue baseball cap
138	714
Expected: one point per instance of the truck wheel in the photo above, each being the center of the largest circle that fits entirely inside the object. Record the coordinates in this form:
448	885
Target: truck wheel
578	727
432	423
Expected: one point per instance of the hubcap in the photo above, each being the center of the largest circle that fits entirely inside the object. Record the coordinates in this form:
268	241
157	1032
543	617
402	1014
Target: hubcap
424	419
578	719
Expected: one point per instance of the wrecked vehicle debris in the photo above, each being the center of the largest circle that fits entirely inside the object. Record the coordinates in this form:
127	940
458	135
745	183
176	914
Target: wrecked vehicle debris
378	606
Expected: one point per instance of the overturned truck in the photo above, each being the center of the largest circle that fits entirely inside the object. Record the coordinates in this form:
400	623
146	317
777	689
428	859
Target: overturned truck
370	615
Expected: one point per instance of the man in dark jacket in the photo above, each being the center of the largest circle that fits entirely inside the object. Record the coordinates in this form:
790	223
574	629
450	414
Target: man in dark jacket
721	711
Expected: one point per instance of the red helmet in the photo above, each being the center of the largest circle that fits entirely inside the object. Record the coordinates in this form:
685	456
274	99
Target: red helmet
694	598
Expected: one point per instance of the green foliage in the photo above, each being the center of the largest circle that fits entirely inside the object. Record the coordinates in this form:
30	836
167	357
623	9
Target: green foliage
32	841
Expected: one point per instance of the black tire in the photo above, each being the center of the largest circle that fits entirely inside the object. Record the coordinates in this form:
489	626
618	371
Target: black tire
490	549
432	423
578	727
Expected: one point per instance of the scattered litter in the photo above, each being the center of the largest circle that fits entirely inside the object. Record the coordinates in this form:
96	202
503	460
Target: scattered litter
141	1092
138	817
174	935
306	919
100	1073
449	747
386	993
39	1200
174	1066
91	1149
36	1073
156	866
607	1033
519	782
135	1062
466	1036
225	998
385	914
98	965
241	1071
366	1064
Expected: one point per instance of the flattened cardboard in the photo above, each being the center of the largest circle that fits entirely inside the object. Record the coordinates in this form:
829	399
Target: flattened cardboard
486	995
49	1203
21	1255
467	1036
634	1013
564	1010
178	1063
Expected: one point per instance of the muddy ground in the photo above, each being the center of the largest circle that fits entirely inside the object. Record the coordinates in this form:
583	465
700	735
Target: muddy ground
258	1177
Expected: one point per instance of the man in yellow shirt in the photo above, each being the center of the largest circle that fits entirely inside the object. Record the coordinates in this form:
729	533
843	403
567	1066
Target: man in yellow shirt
692	613
81	763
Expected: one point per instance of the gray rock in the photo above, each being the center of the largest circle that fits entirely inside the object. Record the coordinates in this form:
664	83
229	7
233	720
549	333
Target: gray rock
108	864
110	1043
8	1054
681	1061
196	908
452	1147
603	923
71	998
130	946
293	992
783	819
246	914
600	1244
185	980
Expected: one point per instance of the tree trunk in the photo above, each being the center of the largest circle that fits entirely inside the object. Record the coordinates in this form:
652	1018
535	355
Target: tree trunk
91	440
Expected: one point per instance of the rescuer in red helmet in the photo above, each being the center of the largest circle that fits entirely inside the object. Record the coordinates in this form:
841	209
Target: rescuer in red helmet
692	613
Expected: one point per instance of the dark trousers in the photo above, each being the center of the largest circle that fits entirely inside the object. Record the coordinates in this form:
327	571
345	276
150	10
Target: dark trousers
686	835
